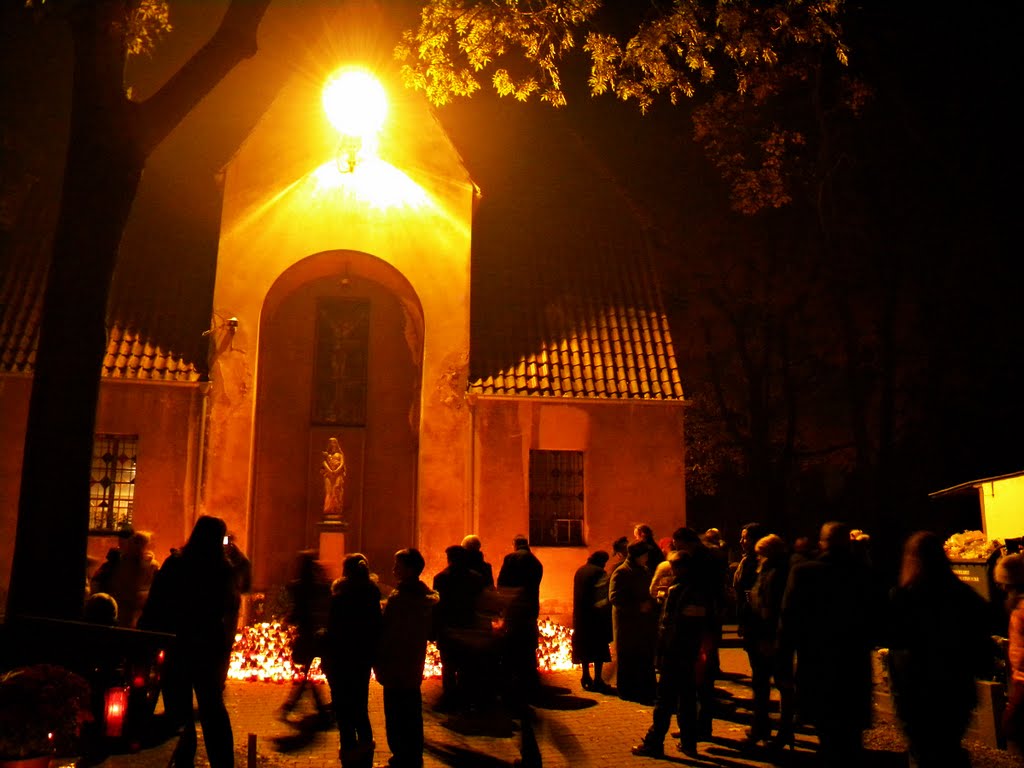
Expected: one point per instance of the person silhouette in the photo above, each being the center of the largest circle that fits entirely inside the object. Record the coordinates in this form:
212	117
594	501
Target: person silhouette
401	655
353	632
828	622
310	592
195	596
938	643
591	620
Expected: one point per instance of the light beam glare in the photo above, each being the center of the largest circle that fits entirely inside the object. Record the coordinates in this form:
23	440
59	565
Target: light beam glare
373	181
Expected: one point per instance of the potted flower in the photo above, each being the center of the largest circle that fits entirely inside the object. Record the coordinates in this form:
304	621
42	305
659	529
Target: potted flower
42	708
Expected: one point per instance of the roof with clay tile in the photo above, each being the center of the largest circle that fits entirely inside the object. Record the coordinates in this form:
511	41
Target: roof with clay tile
619	353
144	349
566	294
599	332
595	329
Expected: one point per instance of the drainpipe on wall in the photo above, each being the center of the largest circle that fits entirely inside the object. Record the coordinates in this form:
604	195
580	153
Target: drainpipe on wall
472	521
204	399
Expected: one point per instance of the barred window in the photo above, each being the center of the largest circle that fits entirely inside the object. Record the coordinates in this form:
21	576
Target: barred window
112	483
556	498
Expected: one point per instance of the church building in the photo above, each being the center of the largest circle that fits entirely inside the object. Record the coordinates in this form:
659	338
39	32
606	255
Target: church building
389	361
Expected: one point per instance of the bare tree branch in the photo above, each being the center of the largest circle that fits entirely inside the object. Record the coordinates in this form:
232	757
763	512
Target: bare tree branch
233	42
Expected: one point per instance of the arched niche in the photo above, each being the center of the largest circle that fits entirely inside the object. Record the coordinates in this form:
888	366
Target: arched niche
336	327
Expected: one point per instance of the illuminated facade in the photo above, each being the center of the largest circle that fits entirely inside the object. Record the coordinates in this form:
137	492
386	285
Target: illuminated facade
342	310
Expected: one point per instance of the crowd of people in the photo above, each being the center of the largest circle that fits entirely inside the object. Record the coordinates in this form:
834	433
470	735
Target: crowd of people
809	618
486	630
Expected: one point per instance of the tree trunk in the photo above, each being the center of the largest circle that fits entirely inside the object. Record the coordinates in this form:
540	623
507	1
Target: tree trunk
109	141
101	176
48	571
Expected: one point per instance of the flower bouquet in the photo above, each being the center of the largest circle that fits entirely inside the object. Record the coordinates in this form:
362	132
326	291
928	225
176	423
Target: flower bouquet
971	545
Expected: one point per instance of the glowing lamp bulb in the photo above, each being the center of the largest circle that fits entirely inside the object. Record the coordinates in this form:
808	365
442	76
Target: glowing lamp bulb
355	103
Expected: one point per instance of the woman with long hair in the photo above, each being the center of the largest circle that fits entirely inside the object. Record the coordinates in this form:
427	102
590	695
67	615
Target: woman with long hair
353	631
938	643
195	596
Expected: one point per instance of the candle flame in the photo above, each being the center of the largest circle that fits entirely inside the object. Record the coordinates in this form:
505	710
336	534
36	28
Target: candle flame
263	652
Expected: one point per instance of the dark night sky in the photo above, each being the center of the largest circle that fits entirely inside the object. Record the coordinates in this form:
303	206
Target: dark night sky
940	169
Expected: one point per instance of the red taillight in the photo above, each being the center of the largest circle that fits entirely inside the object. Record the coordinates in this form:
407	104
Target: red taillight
115	705
138	681
160	657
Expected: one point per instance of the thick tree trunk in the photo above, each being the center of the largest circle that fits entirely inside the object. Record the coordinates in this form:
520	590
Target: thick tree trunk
49	556
109	142
101	177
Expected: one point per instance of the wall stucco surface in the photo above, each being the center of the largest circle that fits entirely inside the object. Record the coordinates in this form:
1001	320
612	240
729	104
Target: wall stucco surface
14	396
633	473
1002	508
408	214
165	418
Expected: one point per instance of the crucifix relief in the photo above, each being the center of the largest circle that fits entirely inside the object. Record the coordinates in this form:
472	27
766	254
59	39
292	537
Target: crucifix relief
340	362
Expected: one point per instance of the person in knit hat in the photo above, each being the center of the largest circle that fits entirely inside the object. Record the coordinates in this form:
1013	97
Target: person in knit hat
1009	574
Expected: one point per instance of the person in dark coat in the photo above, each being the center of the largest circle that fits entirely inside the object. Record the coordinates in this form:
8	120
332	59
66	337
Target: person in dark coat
353	632
761	642
519	581
591	620
310	594
472	545
687	633
634	626
938	644
829	622
485	658
194	596
406	625
455	623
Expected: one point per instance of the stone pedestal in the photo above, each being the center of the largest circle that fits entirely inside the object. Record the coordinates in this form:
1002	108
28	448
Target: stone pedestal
332	546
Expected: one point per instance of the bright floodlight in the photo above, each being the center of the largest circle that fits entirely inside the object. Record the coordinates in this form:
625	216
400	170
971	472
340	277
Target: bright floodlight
355	103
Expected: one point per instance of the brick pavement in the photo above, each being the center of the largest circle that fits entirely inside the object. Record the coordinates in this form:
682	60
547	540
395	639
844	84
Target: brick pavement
574	728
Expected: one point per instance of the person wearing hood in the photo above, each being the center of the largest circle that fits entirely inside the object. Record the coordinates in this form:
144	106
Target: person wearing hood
406	627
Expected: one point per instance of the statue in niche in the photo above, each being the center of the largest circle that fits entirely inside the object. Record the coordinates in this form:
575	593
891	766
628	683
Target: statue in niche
333	471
